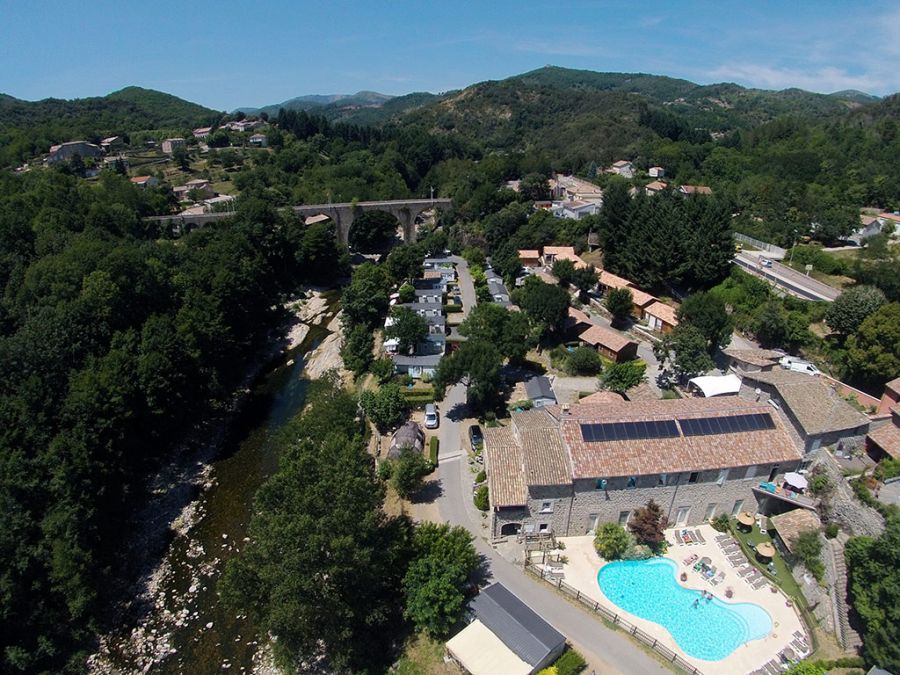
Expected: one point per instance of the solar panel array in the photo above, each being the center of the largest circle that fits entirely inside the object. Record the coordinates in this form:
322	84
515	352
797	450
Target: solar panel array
708	426
628	431
702	426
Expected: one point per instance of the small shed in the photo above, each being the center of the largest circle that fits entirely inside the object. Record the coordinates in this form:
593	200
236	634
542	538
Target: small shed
789	525
409	435
539	391
611	344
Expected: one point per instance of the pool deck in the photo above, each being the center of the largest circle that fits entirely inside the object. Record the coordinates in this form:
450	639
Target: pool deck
584	563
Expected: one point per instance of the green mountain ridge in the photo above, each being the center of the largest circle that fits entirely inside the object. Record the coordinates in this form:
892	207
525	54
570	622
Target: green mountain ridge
316	101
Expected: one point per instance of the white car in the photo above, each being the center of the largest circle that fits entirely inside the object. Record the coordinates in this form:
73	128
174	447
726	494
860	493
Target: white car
432	419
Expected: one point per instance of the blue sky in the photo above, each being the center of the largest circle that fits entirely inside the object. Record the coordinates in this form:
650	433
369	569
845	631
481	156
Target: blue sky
227	54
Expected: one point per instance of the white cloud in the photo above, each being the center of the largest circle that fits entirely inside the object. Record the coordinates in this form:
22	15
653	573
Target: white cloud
824	80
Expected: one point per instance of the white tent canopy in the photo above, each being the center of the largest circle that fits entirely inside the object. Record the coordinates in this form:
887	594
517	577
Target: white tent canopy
481	652
717	385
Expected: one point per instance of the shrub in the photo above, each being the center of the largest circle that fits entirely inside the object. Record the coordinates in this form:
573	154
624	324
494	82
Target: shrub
612	541
481	476
808	547
584	361
570	663
524	404
453	309
721	523
831	530
382	369
820	484
481	499
408	471
433	448
887	468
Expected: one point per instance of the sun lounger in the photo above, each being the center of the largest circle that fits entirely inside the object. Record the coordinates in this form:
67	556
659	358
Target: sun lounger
691	559
773	668
747	571
723	537
759	583
801	648
699	537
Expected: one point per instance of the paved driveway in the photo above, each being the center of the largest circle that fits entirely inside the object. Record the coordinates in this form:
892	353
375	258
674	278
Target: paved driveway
606	651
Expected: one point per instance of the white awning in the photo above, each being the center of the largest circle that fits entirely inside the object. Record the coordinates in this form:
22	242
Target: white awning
717	385
482	653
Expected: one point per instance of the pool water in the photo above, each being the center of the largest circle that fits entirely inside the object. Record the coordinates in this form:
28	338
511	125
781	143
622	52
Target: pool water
710	630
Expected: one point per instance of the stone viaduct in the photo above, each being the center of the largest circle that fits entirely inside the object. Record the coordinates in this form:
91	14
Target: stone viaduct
404	210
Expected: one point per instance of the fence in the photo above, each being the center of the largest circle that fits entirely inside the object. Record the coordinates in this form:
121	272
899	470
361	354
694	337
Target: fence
613	618
760	244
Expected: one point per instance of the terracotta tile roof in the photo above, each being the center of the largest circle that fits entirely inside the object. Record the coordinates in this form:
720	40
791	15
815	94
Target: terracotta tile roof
559	251
610	280
790	524
640	298
537	418
546	277
667	455
887	437
656	186
504	465
576	316
755	357
816	406
894	386
141	179
602	397
867	220
605	337
696	190
545	460
890	216
664	312
528	254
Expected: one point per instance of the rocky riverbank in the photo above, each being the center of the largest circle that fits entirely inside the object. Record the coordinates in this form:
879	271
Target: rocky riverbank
196	518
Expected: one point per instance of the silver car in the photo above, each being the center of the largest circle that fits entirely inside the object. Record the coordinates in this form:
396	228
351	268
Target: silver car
432	419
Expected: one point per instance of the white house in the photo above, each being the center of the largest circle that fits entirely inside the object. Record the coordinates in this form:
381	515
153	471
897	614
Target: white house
656	172
623	168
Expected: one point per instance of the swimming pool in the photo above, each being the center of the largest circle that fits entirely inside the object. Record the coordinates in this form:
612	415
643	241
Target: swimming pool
709	630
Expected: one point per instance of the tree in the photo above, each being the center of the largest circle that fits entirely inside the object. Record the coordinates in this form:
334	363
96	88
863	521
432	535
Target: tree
547	305
434	586
372	231
584	361
382	369
534	187
357	350
564	270
852	307
387	407
476	364
707	313
496	325
584	280
612	541
408	328
648	525
407	293
621	377
408	471
365	299
873	352
873	567
808	547
180	157
482	499
404	263
619	302
684	350
505	262
771	325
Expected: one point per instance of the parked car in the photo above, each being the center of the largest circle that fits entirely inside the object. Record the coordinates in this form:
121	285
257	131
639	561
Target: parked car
432	419
476	438
799	366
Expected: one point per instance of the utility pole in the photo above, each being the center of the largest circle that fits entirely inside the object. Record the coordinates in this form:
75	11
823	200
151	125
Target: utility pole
432	194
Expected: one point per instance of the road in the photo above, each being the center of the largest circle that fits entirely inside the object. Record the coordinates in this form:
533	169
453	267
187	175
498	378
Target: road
786	278
606	650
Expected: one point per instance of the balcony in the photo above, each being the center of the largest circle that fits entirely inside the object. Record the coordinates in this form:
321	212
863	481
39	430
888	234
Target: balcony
779	493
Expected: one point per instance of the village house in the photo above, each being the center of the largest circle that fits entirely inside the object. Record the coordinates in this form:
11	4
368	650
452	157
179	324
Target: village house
575	209
883	441
202	132
611	344
112	144
608	280
695	190
242	125
816	414
497	288
656	172
655	187
169	145
622	168
577	322
567	469
410	435
660	317
530	258
64	152
890	397
554	253
259	140
539	391
145	181
752	360
572	187
869	226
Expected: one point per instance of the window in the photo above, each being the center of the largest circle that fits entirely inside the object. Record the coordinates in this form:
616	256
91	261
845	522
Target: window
663	478
738	505
544	527
710	511
750	471
601	484
723	476
632	481
694	476
623	517
546	507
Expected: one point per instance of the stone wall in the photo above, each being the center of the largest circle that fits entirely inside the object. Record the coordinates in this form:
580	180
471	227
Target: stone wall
841	505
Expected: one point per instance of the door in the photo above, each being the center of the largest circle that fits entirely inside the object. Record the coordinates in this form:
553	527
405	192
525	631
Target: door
594	520
681	516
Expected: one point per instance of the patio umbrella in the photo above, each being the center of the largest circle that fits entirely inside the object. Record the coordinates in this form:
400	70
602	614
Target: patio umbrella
705	560
745	518
795	479
766	550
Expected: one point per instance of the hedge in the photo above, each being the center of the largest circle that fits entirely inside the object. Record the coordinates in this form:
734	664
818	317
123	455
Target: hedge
433	446
453	309
570	663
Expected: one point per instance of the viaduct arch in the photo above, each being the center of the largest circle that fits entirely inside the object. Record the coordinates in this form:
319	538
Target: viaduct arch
404	210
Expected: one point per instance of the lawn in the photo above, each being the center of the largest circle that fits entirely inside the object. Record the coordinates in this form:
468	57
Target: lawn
424	656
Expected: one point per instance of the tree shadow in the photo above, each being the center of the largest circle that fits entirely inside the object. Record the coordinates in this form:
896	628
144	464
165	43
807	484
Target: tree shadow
428	493
457	413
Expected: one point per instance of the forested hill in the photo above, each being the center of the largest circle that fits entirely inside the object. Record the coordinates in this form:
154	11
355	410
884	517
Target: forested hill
30	127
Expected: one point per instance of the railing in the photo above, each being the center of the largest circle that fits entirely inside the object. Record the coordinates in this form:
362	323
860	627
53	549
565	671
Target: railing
761	245
613	618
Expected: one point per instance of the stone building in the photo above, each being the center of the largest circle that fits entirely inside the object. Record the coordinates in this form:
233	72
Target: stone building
565	470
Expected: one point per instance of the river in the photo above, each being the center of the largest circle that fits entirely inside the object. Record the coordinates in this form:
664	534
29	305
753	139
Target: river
187	630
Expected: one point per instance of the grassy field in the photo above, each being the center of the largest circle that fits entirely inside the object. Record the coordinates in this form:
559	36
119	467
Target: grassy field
835	281
424	656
